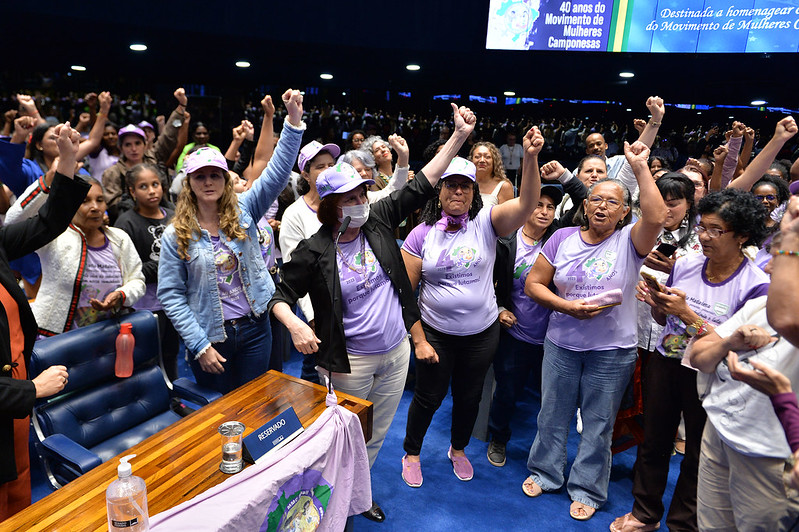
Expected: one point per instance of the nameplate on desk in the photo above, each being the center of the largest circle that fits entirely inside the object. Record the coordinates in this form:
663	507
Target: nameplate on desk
273	435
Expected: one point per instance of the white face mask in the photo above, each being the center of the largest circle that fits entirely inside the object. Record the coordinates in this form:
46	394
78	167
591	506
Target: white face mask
358	214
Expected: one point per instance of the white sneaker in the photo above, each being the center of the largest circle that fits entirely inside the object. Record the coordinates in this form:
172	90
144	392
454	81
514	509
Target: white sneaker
579	422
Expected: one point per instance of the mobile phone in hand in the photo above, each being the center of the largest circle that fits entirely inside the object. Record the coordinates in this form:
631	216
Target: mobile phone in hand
667	249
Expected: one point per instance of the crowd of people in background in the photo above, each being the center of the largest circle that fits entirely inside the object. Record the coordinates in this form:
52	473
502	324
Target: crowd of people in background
603	260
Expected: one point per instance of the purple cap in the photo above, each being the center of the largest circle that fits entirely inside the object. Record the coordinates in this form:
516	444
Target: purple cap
130	129
339	179
312	149
202	158
794	187
461	166
144	123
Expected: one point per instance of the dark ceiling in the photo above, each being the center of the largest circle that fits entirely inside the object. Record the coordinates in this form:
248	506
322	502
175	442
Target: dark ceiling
364	46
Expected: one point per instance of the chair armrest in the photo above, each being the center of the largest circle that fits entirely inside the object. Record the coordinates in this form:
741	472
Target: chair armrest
77	456
190	390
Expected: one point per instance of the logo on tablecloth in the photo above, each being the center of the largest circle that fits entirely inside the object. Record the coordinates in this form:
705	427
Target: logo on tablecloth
299	505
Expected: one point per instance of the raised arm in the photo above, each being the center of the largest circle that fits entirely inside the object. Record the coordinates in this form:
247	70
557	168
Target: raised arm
400	176
786	128
509	216
646	230
27	107
237	138
658	111
266	144
276	175
96	134
733	149
464	125
749	144
168	139
783	305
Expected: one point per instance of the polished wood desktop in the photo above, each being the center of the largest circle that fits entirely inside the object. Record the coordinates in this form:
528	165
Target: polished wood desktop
183	460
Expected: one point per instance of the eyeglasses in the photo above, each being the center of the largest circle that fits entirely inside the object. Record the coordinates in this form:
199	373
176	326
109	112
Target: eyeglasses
596	201
464	186
767	197
712	232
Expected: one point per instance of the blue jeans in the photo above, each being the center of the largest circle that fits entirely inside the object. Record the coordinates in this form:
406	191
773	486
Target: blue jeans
595	382
513	363
247	350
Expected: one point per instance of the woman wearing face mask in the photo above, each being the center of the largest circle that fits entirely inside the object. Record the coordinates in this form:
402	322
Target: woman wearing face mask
362	340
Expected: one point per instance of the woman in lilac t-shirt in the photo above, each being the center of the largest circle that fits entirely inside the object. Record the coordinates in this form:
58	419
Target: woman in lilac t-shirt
702	292
452	253
590	350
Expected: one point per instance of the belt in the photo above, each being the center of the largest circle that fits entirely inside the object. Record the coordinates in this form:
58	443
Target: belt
240	319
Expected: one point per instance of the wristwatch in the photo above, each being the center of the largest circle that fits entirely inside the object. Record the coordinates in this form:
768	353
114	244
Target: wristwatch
696	328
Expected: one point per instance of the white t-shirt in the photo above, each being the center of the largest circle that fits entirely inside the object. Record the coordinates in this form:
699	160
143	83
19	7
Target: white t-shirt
744	417
299	222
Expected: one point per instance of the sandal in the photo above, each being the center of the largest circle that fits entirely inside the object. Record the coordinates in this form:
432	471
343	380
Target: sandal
630	523
581	512
531	488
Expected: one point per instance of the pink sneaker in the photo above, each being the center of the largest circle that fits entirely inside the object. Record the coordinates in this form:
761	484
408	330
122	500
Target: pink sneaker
411	472
461	466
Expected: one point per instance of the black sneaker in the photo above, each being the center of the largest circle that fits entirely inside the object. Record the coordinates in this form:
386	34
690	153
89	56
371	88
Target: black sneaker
496	453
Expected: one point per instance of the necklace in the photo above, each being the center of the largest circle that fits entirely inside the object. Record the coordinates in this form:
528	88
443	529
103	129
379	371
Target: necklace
362	269
535	240
721	276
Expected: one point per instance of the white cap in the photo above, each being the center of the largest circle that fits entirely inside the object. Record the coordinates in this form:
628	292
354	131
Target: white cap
124	469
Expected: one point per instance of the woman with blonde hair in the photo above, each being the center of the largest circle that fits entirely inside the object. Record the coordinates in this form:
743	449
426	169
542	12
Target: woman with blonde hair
212	279
495	188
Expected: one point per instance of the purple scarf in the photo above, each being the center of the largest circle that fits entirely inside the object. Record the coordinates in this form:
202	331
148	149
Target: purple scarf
448	220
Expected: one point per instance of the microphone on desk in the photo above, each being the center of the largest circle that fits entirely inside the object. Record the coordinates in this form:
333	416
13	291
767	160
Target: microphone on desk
345	223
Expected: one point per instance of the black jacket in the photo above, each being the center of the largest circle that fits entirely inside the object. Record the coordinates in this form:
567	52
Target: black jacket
18	396
310	271
506	246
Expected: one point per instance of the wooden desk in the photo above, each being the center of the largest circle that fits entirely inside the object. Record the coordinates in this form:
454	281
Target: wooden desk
183	460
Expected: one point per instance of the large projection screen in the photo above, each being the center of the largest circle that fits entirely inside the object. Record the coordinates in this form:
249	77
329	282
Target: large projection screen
671	26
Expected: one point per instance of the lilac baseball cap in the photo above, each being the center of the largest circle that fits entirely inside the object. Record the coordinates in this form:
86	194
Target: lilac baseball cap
794	187
339	179
202	158
144	123
130	129
312	149
460	166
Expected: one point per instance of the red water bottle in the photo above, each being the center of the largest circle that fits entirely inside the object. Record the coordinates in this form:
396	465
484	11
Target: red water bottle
125	342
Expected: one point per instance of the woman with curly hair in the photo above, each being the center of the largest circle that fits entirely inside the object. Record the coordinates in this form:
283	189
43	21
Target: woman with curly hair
772	192
719	282
495	188
450	256
212	279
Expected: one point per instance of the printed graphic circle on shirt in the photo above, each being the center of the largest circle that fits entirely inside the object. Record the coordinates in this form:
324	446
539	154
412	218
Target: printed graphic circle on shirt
299	505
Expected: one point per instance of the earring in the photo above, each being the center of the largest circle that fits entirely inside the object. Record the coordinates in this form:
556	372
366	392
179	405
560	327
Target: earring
438	204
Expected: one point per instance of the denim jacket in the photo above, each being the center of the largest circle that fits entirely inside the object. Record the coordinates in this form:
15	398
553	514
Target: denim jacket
188	288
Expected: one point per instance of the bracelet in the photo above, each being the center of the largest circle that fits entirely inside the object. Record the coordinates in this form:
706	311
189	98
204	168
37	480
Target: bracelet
653	123
785	252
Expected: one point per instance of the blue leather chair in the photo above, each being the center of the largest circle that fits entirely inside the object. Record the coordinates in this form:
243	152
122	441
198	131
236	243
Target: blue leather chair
98	415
